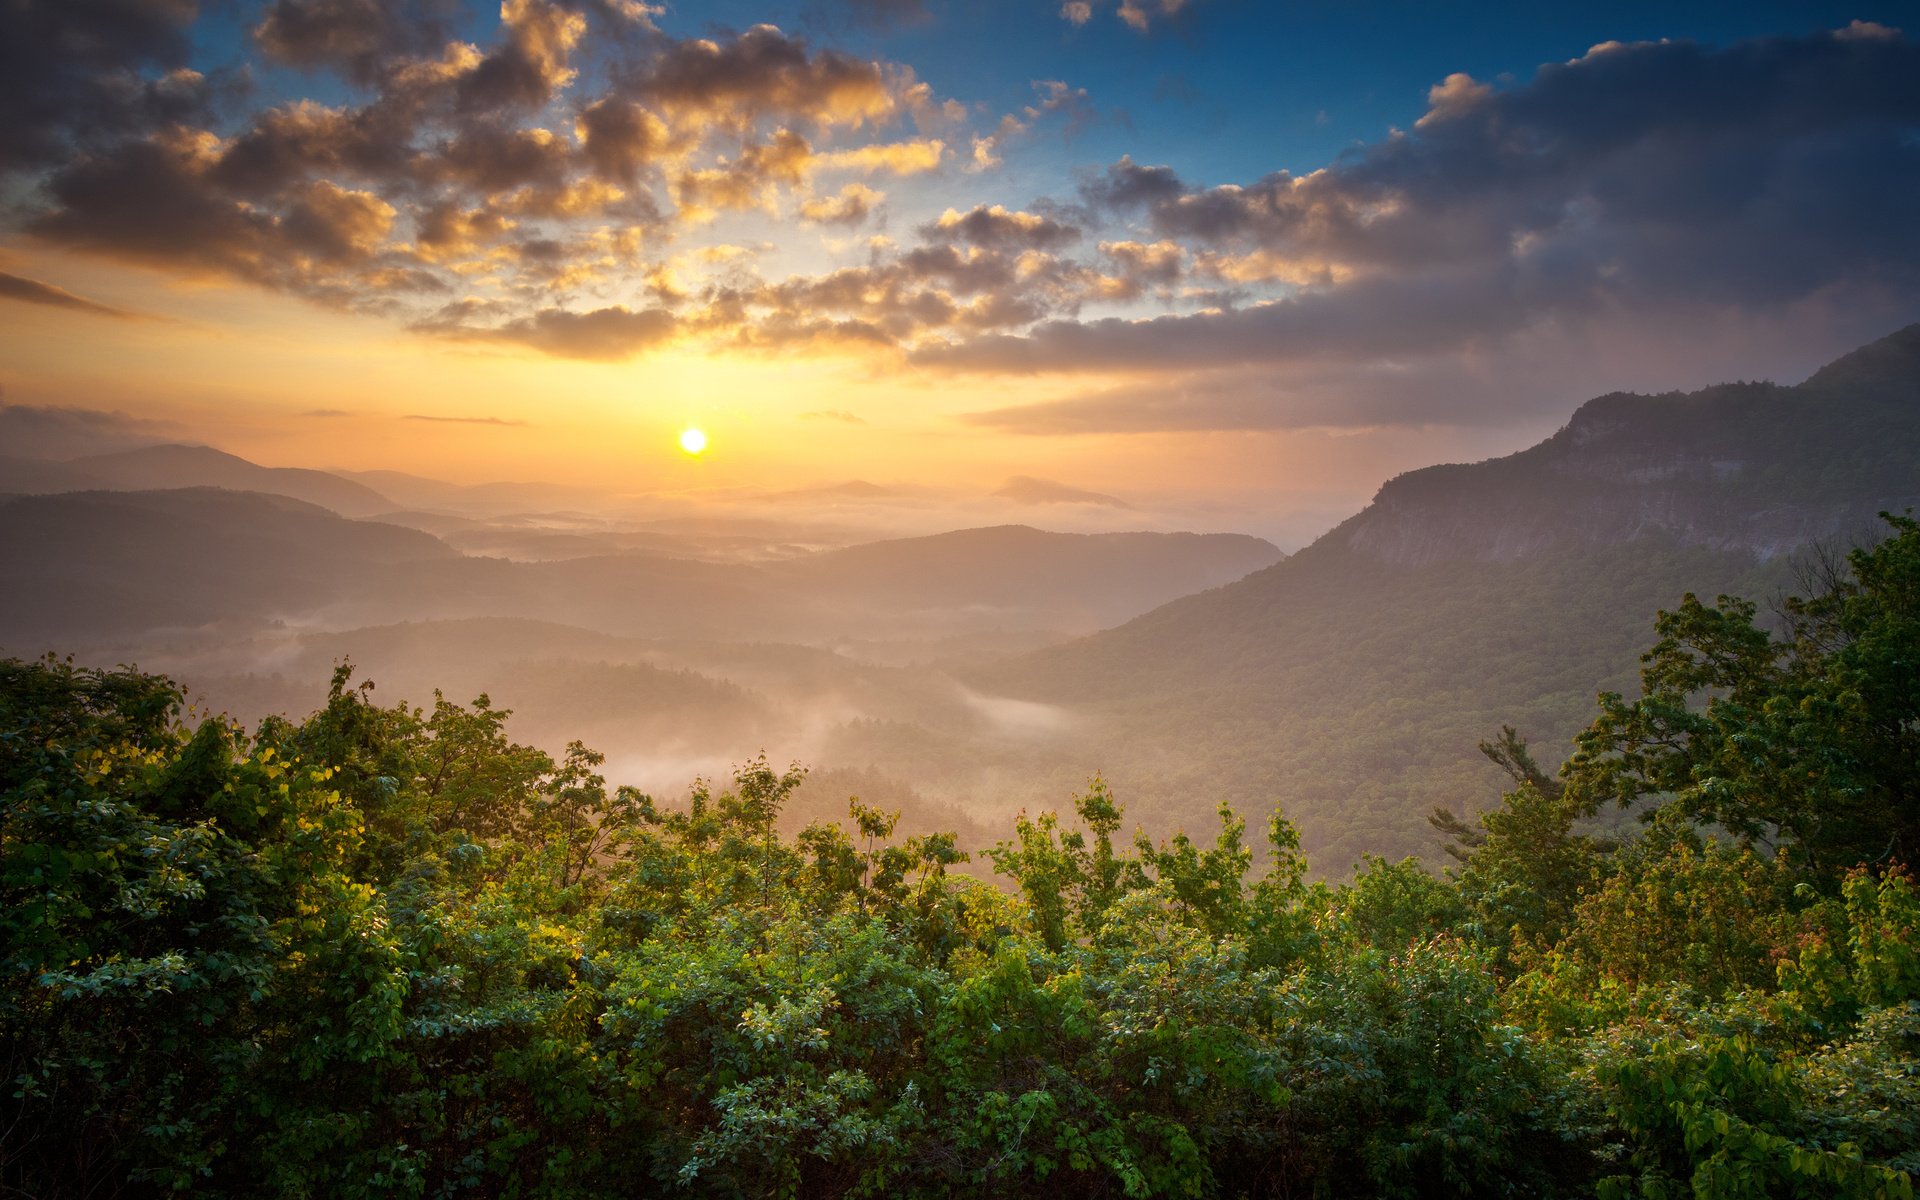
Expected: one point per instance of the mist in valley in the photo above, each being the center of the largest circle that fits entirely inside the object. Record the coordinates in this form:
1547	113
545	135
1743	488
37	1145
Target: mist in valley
796	625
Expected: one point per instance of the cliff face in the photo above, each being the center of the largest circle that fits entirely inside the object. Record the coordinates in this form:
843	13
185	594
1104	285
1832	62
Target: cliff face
1751	467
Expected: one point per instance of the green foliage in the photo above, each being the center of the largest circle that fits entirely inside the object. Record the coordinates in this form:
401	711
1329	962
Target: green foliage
1810	743
389	952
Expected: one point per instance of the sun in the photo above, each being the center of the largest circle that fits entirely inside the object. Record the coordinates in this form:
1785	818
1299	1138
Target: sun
693	441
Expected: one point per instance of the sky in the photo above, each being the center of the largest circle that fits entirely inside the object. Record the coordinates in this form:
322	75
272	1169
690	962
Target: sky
1233	262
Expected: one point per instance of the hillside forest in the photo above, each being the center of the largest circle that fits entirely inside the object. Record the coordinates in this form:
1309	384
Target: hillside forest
386	951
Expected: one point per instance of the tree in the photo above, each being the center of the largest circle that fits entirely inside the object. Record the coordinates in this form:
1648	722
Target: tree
1810	743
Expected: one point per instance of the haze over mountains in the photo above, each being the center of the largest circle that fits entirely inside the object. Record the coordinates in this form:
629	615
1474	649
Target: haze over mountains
1349	682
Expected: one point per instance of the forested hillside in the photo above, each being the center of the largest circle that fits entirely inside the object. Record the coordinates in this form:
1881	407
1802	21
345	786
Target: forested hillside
1342	683
386	951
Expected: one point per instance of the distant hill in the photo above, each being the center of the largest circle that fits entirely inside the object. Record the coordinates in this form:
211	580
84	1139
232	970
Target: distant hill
417	491
91	564
1351	682
153	468
106	566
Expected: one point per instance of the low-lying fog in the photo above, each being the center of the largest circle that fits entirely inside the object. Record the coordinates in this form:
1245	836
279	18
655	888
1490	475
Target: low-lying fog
678	639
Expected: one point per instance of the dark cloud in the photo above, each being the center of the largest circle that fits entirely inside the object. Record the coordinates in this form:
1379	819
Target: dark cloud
1348	398
358	38
149	202
32	291
155	202
35	431
532	62
621	138
493	158
1531	381
1646	177
296	142
1668	164
1385	316
997	228
1126	186
763	71
77	74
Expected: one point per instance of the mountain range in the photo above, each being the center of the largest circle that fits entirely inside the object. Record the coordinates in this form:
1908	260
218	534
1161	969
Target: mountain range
1351	682
982	670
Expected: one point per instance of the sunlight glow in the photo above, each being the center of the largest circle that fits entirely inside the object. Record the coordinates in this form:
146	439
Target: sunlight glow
693	441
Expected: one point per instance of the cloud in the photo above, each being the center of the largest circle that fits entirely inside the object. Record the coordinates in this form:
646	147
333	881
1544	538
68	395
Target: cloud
621	138
904	299
611	334
1125	186
543	175
996	228
446	420
898	158
1144	266
503	172
1241	399
354	37
327	413
1137	15
833	414
1051	96
32	291
1026	489
850	207
750	180
763	71
34	431
532	62
1638	179
155	203
75	77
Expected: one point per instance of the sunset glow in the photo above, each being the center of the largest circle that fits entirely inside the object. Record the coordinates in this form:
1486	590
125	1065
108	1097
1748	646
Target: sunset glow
959	598
922	244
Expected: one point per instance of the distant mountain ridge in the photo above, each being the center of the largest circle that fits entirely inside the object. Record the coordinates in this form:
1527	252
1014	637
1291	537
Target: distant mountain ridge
153	468
1754	467
204	554
1351	682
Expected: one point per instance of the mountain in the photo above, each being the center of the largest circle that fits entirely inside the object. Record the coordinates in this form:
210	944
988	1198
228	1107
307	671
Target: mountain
489	499
152	468
90	564
1350	683
109	566
38	476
